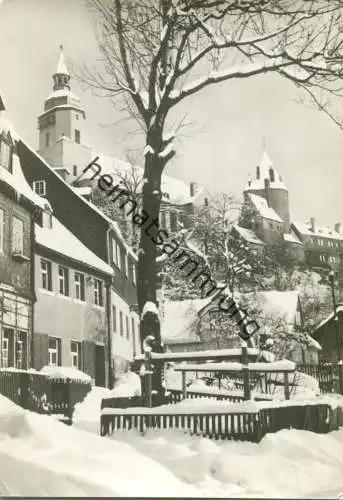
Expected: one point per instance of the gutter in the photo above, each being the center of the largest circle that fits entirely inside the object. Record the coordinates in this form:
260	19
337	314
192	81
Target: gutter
108	284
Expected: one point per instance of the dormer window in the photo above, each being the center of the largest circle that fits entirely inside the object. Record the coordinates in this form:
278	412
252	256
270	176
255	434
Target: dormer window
5	155
39	187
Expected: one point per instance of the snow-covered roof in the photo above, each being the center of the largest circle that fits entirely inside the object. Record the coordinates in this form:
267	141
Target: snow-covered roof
291	238
277	304
339	309
59	239
261	206
16	178
63	93
265	165
320	231
111	222
248	235
83	191
180	320
177	190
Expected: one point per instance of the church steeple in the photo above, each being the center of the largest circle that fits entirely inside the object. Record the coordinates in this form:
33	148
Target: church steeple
61	77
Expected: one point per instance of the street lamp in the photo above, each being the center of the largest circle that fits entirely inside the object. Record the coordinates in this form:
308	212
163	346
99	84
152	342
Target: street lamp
335	318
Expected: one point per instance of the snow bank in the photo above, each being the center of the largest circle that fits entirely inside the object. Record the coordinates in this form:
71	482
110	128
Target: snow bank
64	372
86	414
128	385
276	366
287	464
42	457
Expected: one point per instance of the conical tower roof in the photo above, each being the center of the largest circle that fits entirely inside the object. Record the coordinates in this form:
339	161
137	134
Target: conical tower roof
61	66
266	170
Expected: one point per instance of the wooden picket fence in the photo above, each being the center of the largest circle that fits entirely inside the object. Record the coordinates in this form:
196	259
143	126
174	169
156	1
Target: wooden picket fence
325	373
41	394
243	426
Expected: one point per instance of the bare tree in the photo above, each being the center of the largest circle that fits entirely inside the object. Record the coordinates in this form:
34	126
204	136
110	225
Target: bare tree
153	52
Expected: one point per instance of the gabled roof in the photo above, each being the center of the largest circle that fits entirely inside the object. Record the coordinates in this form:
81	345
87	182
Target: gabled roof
291	238
261	206
248	235
180	320
16	178
109	221
62	241
330	317
320	231
177	190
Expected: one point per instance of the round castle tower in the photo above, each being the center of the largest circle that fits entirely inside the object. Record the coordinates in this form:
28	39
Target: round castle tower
268	184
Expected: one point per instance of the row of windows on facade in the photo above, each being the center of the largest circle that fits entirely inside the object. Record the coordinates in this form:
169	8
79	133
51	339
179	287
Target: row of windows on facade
331	259
122	328
17	233
330	243
55	353
121	260
64	283
77	137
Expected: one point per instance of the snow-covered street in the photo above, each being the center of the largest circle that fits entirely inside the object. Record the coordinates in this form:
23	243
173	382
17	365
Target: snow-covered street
72	461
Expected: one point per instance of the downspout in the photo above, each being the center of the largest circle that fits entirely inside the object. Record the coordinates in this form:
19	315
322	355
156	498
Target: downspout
108	283
33	287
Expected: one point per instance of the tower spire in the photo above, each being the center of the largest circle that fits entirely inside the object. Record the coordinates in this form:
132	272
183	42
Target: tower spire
61	77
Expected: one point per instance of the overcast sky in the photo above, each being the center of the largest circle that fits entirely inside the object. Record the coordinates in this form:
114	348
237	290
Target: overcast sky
224	140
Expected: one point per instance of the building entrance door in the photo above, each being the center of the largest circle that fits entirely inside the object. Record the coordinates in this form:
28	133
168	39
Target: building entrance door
100	379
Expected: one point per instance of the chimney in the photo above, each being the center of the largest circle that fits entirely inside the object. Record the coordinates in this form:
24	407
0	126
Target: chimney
266	191
192	189
338	227
313	224
257	173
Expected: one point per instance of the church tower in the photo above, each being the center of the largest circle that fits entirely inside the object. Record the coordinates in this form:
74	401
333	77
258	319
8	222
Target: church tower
268	184
61	126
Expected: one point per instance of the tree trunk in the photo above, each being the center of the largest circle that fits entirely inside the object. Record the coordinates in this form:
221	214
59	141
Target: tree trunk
147	268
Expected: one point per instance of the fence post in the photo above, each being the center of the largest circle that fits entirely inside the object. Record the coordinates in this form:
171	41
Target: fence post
184	390
24	390
245	373
69	400
286	382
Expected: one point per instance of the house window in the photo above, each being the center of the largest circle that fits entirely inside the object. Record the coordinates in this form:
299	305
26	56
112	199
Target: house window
163	220
45	266
18	236
121	324
77	136
127	327
2	216
79	281
271	175
75	351
116	257
47	140
20	351
114	319
74	170
39	187
173	221
54	351
98	300
63	279
5	348
5	155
